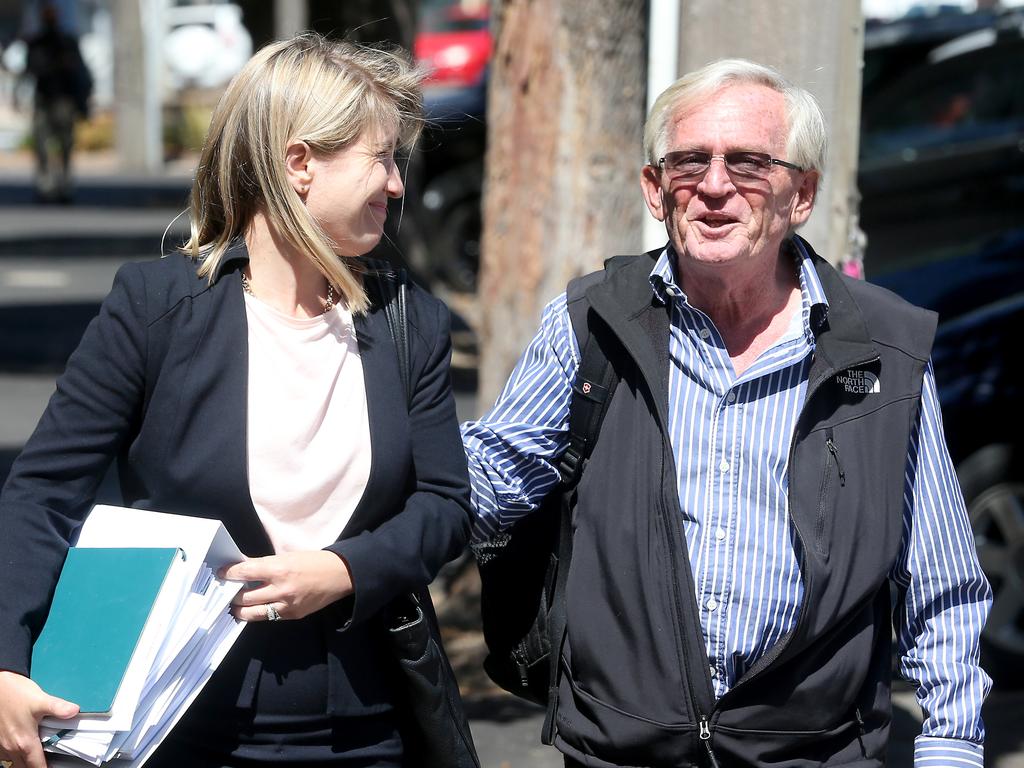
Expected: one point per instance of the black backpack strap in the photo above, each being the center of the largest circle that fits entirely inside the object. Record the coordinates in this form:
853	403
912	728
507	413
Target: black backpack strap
595	378
592	391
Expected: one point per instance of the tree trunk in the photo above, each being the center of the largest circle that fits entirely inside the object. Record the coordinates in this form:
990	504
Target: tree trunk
565	123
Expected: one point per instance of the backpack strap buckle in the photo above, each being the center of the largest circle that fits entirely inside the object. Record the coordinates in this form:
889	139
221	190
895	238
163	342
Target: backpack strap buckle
570	465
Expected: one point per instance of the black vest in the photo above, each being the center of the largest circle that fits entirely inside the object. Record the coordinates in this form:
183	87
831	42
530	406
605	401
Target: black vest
635	688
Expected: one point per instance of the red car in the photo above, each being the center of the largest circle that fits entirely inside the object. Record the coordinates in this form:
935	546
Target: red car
454	42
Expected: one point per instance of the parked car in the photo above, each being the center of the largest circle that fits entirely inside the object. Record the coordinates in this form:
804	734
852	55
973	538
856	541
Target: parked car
454	42
942	181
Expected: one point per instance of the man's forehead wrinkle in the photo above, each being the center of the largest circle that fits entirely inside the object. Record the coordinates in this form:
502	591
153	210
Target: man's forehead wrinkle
738	116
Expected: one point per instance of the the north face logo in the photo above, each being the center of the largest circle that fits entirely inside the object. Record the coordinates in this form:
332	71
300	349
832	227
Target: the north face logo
859	382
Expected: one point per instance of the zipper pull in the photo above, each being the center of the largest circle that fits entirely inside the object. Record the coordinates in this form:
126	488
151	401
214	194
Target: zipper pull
835	455
861	731
518	658
705	737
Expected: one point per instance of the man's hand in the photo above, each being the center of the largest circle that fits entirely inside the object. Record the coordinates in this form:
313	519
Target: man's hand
295	584
22	705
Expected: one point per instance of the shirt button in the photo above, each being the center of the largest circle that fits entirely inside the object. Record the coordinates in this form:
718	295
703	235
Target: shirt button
711	604
724	466
730	398
705	333
719	533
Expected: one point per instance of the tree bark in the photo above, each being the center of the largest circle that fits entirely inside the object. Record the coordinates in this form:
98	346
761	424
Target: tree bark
565	123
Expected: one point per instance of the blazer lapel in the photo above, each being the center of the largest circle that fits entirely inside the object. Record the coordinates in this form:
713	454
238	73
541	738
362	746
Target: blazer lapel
233	395
389	424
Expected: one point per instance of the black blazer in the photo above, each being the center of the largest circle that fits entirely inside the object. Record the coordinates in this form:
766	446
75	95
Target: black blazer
159	383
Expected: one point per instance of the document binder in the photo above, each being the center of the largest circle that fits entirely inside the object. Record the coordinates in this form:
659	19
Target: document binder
103	599
189	631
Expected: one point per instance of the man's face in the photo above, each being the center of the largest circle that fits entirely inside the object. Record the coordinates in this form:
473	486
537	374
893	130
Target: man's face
722	219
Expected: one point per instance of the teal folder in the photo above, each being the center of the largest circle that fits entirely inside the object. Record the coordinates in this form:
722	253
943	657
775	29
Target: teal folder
99	609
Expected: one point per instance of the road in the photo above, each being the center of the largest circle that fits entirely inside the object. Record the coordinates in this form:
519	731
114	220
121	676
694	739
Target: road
56	264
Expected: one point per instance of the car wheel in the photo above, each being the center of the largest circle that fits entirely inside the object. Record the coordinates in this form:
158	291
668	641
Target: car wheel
461	246
993	484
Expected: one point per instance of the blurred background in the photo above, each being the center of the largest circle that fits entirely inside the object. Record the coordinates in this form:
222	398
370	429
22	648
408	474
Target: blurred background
527	176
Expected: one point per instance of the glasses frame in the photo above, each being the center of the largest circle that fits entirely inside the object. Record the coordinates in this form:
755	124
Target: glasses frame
770	161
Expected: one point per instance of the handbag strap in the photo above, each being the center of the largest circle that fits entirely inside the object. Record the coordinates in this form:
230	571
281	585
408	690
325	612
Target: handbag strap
391	288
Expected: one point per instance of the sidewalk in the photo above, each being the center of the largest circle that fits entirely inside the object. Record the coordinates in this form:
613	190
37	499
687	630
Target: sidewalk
19	162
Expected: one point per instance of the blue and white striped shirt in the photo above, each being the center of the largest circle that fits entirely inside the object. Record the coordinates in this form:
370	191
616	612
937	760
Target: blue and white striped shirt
745	565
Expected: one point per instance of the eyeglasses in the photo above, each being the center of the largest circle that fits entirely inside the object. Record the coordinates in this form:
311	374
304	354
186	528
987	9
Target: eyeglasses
692	164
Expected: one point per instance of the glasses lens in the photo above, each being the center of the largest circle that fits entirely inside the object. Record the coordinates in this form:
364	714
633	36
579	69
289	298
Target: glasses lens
686	163
751	165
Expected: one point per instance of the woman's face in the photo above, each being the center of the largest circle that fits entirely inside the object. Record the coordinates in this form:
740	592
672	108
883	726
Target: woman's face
347	192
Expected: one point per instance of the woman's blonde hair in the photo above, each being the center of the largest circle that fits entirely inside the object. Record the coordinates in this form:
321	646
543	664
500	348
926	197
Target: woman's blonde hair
323	92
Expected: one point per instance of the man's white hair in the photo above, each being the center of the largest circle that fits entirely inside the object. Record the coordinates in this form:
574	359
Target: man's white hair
807	144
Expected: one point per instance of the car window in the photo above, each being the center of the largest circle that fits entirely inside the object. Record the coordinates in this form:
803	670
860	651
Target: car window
969	98
453	15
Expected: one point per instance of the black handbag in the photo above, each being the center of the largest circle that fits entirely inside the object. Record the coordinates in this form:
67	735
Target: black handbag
441	737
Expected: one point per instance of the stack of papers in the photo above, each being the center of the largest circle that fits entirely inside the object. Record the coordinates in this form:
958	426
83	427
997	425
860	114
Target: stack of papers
186	632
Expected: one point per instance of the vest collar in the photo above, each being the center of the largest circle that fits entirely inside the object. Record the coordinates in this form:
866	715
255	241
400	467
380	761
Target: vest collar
629	307
841	338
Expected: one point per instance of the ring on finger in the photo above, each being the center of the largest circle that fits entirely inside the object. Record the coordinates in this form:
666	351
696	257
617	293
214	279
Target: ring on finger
272	612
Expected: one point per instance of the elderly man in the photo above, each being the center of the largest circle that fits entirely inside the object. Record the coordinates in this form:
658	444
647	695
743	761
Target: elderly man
771	461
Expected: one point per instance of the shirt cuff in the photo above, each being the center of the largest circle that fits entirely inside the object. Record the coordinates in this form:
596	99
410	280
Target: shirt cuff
484	502
933	752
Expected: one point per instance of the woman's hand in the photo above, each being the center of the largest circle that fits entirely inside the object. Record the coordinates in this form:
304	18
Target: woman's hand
22	705
294	584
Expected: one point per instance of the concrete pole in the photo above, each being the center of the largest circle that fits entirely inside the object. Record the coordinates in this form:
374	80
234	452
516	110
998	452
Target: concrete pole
290	18
662	62
138	83
817	45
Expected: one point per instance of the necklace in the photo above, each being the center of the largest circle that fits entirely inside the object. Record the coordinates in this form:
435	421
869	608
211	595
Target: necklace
328	304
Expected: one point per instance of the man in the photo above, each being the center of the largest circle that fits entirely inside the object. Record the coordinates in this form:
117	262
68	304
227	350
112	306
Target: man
62	87
770	462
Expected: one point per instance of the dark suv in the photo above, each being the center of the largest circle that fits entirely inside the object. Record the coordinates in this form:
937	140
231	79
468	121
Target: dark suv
942	181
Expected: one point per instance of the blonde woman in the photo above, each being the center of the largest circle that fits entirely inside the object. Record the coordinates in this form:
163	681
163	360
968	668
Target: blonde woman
253	379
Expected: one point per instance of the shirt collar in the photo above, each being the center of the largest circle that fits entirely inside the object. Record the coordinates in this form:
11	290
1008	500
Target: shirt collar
663	278
666	288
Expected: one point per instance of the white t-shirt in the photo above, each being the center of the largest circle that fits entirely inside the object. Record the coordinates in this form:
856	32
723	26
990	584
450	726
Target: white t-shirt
308	430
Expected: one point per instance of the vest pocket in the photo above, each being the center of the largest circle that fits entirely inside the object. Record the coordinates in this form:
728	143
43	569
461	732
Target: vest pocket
832	476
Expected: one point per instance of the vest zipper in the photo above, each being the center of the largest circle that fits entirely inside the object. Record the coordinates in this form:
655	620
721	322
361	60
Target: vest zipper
826	486
519	657
705	738
830	442
776	651
695	704
861	731
671	525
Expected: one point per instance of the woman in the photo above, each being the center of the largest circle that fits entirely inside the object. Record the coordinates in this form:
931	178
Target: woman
254	381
